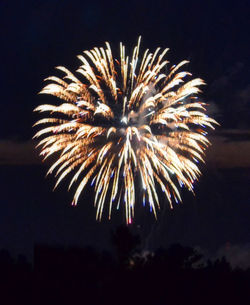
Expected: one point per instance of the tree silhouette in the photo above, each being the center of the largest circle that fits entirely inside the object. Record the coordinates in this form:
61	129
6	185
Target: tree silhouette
125	243
74	275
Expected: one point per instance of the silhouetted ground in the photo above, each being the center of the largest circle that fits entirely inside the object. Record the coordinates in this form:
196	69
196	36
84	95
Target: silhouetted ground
176	275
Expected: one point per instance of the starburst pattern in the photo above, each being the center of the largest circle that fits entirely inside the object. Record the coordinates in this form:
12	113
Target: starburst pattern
129	126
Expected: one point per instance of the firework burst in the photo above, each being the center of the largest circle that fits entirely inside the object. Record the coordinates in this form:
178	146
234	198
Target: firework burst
128	127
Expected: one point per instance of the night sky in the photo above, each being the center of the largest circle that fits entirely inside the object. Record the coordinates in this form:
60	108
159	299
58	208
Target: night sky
214	36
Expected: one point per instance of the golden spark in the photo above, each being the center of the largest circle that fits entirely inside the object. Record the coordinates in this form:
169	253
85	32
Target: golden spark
129	120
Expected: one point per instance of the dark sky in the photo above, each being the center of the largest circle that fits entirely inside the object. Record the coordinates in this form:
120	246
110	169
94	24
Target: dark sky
36	36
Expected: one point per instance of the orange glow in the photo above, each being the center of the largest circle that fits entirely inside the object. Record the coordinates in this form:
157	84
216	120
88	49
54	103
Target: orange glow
128	121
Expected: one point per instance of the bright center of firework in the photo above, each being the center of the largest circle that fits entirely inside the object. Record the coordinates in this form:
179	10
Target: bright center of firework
124	120
125	123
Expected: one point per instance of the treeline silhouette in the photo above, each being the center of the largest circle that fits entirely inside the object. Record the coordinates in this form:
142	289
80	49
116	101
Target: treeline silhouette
177	275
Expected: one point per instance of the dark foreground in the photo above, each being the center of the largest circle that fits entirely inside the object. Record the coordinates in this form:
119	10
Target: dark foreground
177	275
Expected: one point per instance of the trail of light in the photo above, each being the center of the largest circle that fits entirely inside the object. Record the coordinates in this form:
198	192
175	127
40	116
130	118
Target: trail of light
128	122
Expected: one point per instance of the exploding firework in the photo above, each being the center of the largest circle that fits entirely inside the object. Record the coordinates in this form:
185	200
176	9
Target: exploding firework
130	128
